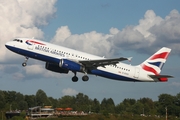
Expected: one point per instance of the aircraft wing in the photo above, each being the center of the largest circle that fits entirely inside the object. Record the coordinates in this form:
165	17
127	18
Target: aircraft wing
103	62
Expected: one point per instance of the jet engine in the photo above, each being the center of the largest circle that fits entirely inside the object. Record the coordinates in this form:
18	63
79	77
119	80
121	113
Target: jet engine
55	68
71	65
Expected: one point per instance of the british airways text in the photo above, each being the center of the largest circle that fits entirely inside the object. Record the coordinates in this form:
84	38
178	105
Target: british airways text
48	50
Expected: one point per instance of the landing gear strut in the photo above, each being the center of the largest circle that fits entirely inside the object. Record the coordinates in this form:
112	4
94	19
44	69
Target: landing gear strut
75	78
25	62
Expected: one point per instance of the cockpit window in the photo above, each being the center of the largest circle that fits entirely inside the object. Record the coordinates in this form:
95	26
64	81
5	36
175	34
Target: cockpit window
18	40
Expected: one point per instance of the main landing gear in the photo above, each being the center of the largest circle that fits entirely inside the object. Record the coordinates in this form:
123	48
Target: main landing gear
84	78
75	78
25	62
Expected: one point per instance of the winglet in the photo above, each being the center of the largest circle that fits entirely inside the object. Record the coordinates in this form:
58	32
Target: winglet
129	59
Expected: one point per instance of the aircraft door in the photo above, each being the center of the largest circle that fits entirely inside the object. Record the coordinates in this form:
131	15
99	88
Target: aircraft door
30	47
136	74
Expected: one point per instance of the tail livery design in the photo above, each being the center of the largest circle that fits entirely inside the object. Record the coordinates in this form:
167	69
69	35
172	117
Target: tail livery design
154	64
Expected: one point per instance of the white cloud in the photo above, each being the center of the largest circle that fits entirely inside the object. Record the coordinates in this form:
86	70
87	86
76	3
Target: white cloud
21	18
69	91
40	11
150	19
150	34
62	33
34	69
113	31
168	32
92	42
18	76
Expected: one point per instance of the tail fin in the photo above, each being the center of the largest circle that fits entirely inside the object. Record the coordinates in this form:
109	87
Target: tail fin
154	64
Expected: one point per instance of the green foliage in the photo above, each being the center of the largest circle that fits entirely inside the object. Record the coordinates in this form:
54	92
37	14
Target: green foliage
41	98
106	109
2	100
108	105
23	114
169	102
17	118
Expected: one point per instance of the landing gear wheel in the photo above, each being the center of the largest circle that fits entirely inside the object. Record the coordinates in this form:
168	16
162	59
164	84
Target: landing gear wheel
24	64
85	78
74	79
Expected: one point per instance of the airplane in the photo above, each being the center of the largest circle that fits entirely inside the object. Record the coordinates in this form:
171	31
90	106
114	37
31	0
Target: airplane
62	60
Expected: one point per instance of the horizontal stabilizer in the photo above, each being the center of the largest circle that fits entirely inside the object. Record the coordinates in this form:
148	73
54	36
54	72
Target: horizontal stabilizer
160	76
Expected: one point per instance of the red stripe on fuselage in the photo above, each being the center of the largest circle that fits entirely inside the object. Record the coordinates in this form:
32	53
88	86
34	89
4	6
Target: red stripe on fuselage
32	41
163	55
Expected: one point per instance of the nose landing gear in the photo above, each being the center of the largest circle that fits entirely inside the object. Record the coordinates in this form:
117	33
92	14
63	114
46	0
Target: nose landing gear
25	62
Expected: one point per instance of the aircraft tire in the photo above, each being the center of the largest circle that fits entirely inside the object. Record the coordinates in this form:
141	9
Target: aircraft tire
85	78
74	79
24	64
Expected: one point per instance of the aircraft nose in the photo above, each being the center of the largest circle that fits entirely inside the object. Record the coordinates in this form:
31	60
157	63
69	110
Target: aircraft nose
8	45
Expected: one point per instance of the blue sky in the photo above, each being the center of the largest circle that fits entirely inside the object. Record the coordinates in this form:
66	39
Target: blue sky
111	28
85	16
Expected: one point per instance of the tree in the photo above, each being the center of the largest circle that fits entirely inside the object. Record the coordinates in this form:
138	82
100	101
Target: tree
2	100
41	98
95	106
82	102
31	100
120	108
138	108
54	102
108	105
22	105
166	100
66	101
148	105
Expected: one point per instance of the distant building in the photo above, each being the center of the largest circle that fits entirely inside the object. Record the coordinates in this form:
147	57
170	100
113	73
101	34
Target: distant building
11	114
38	112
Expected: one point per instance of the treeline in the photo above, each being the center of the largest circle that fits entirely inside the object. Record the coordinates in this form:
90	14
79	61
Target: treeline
11	100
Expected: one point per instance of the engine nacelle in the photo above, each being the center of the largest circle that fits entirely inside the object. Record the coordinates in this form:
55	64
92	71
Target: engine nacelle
71	65
55	68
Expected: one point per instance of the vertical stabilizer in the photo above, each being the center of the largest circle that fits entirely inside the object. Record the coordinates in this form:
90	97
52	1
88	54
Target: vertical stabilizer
155	63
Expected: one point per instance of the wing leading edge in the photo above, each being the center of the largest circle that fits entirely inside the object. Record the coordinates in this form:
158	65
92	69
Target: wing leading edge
103	62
